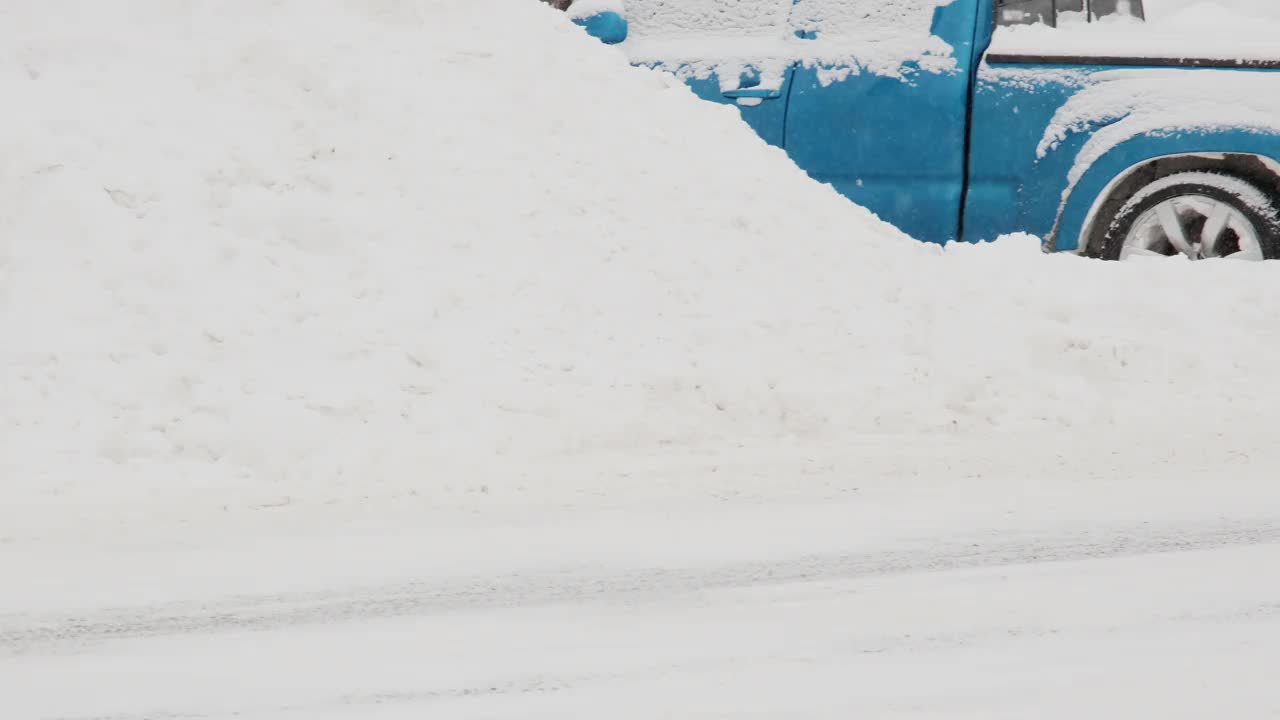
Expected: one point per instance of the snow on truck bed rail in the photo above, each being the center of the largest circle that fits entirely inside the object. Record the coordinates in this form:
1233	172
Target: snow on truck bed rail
456	254
1214	29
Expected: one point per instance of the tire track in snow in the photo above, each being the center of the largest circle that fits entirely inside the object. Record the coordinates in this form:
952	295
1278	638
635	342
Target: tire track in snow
22	633
351	701
543	683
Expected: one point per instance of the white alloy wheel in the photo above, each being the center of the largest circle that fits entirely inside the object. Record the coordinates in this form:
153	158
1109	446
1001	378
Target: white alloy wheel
1196	215
1196	226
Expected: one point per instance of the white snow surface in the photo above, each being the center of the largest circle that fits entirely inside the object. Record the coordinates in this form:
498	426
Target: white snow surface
247	268
421	358
587	8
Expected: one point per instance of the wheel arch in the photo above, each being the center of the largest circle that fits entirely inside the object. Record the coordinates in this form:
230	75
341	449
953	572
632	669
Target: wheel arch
1113	178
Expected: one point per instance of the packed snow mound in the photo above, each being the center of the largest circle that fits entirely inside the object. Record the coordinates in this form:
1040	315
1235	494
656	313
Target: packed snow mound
430	250
348	244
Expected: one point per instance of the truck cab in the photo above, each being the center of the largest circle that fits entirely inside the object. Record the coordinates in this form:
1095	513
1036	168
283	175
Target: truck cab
1114	128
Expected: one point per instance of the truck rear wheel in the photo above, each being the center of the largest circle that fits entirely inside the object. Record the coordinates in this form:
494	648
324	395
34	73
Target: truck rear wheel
1197	215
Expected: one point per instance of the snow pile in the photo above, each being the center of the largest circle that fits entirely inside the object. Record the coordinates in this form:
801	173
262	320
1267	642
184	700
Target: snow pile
432	253
415	248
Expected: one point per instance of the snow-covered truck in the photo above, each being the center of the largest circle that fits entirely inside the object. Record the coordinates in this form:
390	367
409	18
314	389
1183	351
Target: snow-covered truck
1113	128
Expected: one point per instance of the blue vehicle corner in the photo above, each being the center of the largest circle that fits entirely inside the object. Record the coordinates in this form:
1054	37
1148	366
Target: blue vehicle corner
1001	141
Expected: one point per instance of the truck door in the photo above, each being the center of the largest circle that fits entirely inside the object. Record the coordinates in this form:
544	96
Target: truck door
728	51
879	105
759	92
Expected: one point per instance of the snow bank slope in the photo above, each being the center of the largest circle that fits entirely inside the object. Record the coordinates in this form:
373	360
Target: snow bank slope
397	249
348	242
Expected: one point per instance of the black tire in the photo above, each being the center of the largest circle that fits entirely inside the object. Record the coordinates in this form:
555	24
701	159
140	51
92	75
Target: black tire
1256	205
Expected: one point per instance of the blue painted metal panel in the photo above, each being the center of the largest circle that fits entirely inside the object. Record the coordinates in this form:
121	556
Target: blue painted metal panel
893	144
1008	187
609	27
983	27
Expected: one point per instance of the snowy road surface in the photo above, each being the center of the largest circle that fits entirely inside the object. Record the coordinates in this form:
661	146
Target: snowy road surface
1113	621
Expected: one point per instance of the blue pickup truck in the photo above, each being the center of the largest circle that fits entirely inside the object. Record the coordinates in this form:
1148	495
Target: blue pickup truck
1084	122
